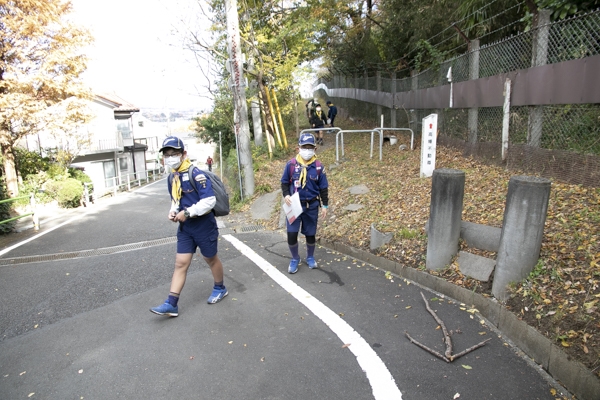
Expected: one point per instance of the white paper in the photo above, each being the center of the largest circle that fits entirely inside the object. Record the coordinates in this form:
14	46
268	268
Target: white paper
293	211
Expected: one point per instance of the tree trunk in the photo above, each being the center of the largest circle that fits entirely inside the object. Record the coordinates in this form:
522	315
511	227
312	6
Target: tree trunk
10	171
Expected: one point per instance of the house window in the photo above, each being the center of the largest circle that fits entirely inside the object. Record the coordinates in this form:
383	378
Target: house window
124	128
109	173
123	164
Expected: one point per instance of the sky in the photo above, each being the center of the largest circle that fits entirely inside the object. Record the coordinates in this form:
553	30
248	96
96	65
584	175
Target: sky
137	55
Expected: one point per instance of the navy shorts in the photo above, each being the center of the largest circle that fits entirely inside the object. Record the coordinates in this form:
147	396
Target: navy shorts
308	219
198	233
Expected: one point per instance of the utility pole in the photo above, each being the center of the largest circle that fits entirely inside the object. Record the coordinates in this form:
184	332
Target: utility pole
238	87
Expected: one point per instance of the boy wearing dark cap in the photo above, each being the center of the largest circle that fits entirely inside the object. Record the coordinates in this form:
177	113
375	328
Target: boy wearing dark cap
319	120
192	208
305	175
331	113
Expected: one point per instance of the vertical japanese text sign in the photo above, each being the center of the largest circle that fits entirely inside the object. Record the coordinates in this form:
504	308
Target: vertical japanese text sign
428	138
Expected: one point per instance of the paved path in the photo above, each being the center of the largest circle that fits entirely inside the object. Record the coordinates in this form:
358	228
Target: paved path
74	321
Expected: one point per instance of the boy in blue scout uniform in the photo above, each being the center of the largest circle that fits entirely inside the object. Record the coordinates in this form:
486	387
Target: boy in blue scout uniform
305	175
318	120
197	224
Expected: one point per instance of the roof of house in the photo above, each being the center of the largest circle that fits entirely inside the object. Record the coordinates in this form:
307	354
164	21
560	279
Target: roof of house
122	105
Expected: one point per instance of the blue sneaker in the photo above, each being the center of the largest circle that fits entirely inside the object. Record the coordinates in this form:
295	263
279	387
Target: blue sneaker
166	309
217	295
312	264
293	268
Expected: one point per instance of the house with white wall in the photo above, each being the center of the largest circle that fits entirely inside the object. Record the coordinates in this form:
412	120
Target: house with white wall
112	157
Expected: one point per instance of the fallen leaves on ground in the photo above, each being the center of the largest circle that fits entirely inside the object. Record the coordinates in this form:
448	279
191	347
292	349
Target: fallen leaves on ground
561	298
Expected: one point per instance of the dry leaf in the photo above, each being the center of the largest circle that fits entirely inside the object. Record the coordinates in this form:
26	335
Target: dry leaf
345	345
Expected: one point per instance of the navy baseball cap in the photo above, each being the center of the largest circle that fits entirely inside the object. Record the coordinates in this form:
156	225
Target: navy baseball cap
172	142
307	138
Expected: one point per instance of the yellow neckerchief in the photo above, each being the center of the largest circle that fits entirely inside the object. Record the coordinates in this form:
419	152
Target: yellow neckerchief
176	184
304	164
319	113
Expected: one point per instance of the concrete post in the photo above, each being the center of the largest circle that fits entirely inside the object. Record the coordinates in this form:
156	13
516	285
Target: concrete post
522	231
447	192
256	122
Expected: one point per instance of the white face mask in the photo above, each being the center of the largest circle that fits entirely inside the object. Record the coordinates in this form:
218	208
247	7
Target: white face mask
307	154
173	162
318	108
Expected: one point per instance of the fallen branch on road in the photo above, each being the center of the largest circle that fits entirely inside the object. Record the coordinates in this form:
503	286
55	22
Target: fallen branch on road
447	356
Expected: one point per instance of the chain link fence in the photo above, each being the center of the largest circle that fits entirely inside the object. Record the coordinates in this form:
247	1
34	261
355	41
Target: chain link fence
569	147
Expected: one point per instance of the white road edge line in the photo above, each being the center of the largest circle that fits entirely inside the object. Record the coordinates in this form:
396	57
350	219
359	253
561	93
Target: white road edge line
79	216
75	218
382	382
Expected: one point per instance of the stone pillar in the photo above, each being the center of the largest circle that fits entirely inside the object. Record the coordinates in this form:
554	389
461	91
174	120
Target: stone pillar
522	231
447	192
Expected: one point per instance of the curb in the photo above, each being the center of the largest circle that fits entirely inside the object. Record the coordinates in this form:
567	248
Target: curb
573	375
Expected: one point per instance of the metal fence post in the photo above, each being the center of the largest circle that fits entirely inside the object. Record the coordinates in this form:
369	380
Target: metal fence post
34	217
473	118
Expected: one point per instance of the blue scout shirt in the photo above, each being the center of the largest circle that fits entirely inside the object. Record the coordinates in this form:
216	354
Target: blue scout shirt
316	181
189	196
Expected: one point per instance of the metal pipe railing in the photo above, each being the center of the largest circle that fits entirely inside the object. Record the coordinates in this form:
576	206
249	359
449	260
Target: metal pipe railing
34	216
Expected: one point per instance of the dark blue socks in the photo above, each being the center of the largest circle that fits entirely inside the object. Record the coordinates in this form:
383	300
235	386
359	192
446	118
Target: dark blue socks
173	299
294	251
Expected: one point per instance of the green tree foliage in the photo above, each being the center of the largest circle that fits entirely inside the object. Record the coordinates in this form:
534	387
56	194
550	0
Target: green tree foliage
220	119
40	66
30	162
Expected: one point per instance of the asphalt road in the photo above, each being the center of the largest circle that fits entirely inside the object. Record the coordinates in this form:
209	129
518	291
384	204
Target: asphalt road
75	324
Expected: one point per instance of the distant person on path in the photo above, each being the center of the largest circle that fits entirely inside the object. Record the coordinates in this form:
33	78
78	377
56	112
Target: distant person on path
319	120
197	225
306	175
331	113
311	106
209	162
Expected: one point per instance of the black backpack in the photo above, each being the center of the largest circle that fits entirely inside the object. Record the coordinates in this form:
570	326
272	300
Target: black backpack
221	207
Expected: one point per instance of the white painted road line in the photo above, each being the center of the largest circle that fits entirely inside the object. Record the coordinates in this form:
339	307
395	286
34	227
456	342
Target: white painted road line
382	382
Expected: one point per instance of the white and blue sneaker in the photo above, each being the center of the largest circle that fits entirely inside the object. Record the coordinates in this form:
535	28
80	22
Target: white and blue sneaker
166	309
217	295
312	263
293	268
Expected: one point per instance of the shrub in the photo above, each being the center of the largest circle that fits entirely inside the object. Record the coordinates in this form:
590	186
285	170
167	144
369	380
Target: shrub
5	210
67	192
57	172
34	183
